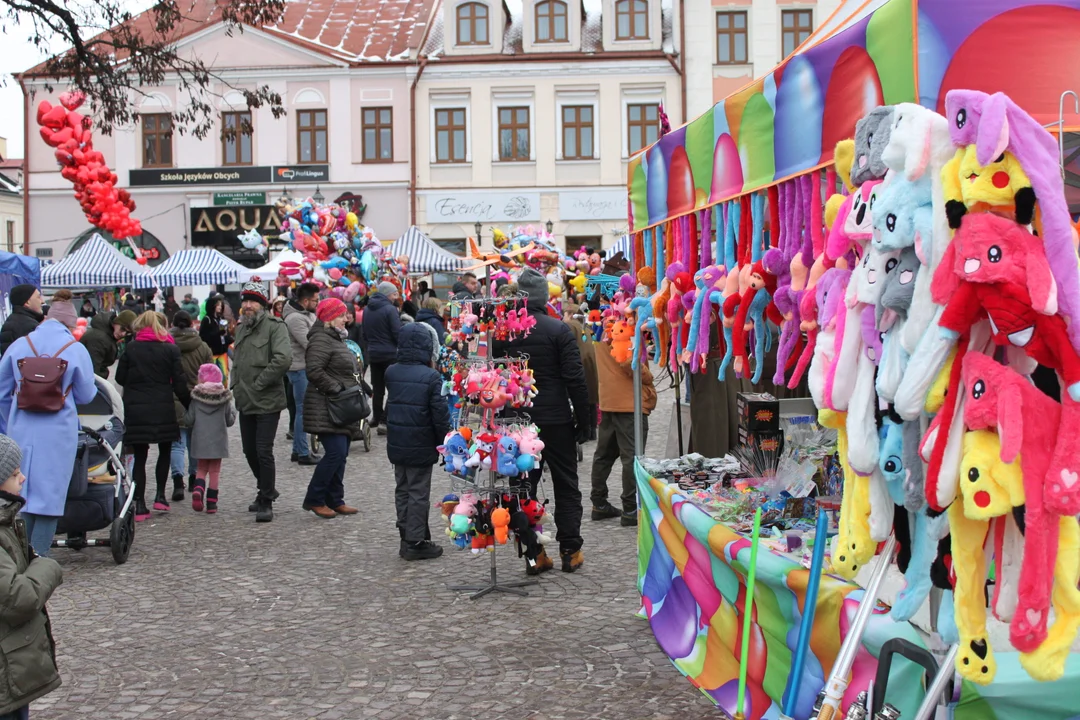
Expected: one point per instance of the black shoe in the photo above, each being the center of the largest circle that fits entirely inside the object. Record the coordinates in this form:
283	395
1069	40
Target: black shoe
190	482
628	519
381	430
265	512
403	548
423	550
604	511
307	460
141	511
178	487
254	507
289	435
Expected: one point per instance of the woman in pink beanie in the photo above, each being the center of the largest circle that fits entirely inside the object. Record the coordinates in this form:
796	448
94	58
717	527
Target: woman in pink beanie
210	412
331	368
62	310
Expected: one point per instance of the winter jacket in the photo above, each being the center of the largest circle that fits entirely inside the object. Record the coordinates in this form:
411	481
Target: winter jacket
214	333
557	369
429	317
150	373
617	383
21	322
191	308
382	324
193	353
417	417
299	322
261	357
210	413
101	344
28	662
331	367
583	338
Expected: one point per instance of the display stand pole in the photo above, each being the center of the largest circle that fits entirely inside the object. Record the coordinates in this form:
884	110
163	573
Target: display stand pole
639	449
678	404
946	672
494	585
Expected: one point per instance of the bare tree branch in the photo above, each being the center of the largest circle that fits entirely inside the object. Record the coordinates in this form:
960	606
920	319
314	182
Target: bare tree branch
114	55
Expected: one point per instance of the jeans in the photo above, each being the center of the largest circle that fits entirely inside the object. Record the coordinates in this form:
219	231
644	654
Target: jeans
290	402
22	713
560	455
161	469
257	434
299	382
40	530
327	486
378	390
412	496
615	441
180	456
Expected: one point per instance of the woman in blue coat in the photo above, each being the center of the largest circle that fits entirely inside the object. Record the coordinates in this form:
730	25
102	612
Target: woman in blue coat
48	441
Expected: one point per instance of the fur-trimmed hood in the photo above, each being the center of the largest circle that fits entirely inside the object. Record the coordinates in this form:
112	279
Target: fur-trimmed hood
211	393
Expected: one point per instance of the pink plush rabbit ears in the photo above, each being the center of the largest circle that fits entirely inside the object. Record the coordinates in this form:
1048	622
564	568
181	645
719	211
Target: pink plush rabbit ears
991	249
994	123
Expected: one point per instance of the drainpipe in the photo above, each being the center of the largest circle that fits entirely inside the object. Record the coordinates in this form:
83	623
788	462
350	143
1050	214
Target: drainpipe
414	169
26	169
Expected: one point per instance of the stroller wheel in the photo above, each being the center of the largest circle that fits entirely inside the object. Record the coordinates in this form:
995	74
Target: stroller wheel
121	536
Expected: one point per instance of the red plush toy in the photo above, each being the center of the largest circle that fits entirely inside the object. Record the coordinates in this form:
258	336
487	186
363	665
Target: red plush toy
739	307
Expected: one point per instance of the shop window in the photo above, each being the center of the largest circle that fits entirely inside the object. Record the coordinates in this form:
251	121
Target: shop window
796	26
378	130
311	136
577	132
731	38
551	21
573	244
450	145
513	134
472	24
236	138
157	140
642	125
631	20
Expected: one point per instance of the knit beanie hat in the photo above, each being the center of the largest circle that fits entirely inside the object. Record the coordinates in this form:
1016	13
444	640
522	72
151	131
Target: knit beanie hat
209	373
536	285
255	291
329	309
10	457
125	319
63	311
20	294
387	288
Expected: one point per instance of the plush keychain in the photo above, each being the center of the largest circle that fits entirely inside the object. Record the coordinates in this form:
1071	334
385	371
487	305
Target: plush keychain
500	522
995	124
455	451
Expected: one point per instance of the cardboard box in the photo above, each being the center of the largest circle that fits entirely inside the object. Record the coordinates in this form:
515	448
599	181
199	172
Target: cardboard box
762	439
758	412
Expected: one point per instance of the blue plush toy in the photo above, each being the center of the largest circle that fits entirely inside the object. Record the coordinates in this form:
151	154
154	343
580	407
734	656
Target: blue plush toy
455	450
506	457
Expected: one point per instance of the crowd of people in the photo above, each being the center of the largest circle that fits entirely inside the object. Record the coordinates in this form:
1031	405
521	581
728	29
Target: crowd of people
189	371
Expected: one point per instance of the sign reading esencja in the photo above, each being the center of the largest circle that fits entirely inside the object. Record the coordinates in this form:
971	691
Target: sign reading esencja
245	175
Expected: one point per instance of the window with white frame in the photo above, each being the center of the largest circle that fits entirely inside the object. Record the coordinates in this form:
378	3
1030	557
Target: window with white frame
450	127
640	118
577	116
513	124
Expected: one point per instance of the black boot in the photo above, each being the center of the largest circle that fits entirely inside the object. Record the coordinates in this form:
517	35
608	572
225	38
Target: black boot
423	550
191	482
141	511
254	506
178	487
198	494
211	502
604	511
265	511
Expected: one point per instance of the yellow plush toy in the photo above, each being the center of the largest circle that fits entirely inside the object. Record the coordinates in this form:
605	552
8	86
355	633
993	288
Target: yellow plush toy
853	547
1002	186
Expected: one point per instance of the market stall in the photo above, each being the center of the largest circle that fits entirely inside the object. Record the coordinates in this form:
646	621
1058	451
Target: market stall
97	263
15	270
829	224
196	267
425	257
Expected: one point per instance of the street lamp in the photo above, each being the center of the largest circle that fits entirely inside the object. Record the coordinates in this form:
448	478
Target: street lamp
318	196
550	227
478	227
285	197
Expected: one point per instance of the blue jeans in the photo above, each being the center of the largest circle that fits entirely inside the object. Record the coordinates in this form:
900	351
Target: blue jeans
180	449
40	529
327	486
298	380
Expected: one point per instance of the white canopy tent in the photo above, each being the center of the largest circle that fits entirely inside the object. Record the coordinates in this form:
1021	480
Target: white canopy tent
196	267
96	264
425	256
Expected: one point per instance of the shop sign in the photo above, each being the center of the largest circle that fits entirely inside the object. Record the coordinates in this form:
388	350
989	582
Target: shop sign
470	206
603	204
240	198
241	175
220	226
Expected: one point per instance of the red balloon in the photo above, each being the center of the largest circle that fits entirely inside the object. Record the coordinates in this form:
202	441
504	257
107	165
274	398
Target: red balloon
72	99
680	183
43	109
54	118
141	260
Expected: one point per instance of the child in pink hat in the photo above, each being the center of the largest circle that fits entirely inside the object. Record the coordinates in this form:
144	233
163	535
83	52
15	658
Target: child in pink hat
210	413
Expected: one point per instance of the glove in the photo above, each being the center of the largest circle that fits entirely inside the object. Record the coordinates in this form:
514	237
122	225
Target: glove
581	433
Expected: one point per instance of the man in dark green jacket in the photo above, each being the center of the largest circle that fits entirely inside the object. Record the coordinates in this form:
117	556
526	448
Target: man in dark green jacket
261	357
103	337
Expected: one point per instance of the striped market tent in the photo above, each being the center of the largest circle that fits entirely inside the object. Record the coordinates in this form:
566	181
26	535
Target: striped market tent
623	244
197	267
96	264
425	257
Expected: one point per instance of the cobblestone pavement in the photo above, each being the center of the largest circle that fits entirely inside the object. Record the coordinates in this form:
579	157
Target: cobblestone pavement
217	617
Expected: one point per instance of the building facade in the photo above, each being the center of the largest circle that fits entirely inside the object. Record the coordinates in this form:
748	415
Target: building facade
731	42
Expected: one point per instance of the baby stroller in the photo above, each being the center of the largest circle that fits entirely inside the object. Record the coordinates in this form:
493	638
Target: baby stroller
100	494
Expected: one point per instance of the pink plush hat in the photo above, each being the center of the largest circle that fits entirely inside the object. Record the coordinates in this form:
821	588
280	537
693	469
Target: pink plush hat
209	373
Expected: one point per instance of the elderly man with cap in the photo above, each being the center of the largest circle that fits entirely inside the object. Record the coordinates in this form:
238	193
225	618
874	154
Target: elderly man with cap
560	380
25	315
382	324
262	355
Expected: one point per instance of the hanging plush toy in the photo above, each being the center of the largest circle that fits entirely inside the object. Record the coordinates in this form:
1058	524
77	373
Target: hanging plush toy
621	339
871	137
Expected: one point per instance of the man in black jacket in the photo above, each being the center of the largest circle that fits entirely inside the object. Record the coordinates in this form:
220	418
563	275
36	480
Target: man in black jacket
382	324
25	315
560	381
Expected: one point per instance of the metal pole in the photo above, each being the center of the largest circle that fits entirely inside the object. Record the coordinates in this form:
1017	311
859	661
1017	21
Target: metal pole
678	404
933	693
639	449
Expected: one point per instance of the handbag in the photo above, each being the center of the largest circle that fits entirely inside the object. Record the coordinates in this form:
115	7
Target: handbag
349	406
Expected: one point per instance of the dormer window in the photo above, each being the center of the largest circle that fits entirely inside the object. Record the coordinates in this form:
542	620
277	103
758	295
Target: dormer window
472	24
631	20
551	23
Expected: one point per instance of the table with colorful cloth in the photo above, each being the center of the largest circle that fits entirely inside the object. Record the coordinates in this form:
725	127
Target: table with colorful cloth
692	581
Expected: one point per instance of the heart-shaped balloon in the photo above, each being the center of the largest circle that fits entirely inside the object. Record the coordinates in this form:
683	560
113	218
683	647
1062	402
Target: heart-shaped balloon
72	99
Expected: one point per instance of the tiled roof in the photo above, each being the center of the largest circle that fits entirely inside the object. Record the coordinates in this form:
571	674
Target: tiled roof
349	30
